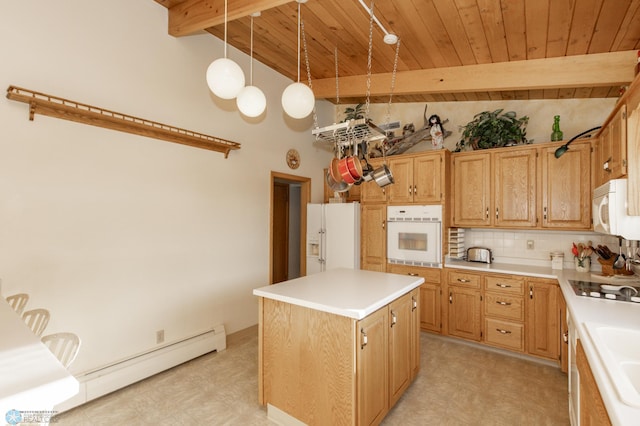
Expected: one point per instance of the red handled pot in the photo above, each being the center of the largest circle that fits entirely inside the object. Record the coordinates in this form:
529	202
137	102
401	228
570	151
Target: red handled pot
343	167
355	167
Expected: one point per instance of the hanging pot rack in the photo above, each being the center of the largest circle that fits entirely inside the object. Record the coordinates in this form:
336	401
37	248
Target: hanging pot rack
53	106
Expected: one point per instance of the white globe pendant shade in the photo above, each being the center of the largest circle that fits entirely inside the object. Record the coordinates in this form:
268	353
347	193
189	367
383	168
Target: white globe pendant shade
298	100
225	78
251	101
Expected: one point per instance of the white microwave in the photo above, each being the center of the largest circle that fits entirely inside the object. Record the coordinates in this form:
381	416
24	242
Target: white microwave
610	211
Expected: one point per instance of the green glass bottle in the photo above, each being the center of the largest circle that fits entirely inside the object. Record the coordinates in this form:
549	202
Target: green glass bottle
556	135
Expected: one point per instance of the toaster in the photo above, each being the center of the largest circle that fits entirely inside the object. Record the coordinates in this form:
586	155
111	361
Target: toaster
479	254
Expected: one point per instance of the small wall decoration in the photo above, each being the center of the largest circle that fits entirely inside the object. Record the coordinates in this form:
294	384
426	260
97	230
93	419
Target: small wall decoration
437	131
293	159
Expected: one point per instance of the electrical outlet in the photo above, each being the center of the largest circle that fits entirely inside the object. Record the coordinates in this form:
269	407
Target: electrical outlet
529	244
159	336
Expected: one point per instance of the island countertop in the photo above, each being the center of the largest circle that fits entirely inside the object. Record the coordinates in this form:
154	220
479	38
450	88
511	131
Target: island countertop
351	293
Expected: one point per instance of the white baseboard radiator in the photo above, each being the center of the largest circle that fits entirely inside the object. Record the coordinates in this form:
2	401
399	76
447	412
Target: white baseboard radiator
107	379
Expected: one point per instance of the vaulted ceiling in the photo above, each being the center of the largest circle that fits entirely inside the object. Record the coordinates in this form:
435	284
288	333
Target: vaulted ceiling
450	50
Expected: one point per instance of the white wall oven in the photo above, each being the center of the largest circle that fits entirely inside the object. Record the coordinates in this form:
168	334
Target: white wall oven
414	235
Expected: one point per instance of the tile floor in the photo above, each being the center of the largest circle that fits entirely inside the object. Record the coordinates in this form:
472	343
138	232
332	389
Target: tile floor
458	384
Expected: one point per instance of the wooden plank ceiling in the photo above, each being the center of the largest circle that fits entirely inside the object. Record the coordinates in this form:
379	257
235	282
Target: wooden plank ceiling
450	50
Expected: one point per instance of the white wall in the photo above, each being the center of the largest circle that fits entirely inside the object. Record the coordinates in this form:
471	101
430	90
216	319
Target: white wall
121	235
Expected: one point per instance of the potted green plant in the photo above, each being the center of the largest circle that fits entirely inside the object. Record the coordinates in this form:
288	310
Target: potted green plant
492	129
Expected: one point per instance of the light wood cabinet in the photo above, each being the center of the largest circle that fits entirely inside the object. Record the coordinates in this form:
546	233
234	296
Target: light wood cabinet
464	305
430	294
611	148
417	179
543	318
388	358
373	237
564	334
495	188
307	359
372	361
371	192
471	190
566	187
514	188
504	311
404	361
592	409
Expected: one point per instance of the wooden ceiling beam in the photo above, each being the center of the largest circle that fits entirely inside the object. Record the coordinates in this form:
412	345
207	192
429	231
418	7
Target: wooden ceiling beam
192	16
593	70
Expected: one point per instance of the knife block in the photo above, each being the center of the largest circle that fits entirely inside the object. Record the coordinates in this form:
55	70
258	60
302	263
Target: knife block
608	270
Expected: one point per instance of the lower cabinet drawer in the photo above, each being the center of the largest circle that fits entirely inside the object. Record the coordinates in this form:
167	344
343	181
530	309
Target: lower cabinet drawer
504	334
504	306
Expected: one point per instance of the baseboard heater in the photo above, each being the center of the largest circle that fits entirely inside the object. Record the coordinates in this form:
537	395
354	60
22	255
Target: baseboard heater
112	377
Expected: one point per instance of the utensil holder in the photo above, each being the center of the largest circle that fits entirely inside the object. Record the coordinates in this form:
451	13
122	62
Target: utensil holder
582	265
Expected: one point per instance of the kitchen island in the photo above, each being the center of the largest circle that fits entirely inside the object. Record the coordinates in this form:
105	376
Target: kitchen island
338	347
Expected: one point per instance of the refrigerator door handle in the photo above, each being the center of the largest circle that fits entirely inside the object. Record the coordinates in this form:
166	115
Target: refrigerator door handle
323	256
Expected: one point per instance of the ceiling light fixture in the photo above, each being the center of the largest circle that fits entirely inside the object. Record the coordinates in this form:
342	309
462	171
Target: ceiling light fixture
297	99
224	77
389	38
251	100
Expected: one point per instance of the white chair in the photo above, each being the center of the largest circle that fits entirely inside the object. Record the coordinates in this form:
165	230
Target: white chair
64	346
37	320
17	301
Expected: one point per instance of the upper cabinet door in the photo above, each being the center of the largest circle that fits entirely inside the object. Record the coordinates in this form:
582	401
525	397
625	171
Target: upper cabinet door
401	191
515	188
566	188
471	180
427	181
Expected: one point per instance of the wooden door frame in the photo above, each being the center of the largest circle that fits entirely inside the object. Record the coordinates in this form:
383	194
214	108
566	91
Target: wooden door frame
305	198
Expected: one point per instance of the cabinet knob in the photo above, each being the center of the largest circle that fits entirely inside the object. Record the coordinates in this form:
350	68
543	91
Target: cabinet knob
503	303
414	303
503	285
605	165
394	318
464	280
450	298
410	190
363	338
497	212
415	189
501	331
487	213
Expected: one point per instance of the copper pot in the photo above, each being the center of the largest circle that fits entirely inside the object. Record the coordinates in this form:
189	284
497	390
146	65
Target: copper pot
355	167
343	167
335	171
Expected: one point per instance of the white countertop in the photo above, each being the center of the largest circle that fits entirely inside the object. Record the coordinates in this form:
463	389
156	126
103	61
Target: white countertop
347	292
31	377
583	310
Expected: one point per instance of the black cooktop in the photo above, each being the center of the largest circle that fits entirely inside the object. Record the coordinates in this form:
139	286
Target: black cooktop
622	292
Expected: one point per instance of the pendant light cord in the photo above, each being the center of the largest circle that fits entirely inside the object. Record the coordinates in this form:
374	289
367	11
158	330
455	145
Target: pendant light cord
225	28
298	42
251	63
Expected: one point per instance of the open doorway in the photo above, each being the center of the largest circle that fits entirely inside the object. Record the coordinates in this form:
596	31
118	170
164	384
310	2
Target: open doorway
289	197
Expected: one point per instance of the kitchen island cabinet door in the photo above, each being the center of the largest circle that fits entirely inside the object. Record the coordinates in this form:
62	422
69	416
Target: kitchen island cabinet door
401	343
373	235
566	188
372	361
543	318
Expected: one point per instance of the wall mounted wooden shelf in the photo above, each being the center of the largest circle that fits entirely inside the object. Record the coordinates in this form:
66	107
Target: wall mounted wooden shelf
74	111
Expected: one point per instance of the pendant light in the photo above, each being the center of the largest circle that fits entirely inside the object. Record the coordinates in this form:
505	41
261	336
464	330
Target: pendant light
298	99
251	100
224	77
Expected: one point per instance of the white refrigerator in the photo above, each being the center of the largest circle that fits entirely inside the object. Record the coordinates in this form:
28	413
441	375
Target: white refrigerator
333	236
